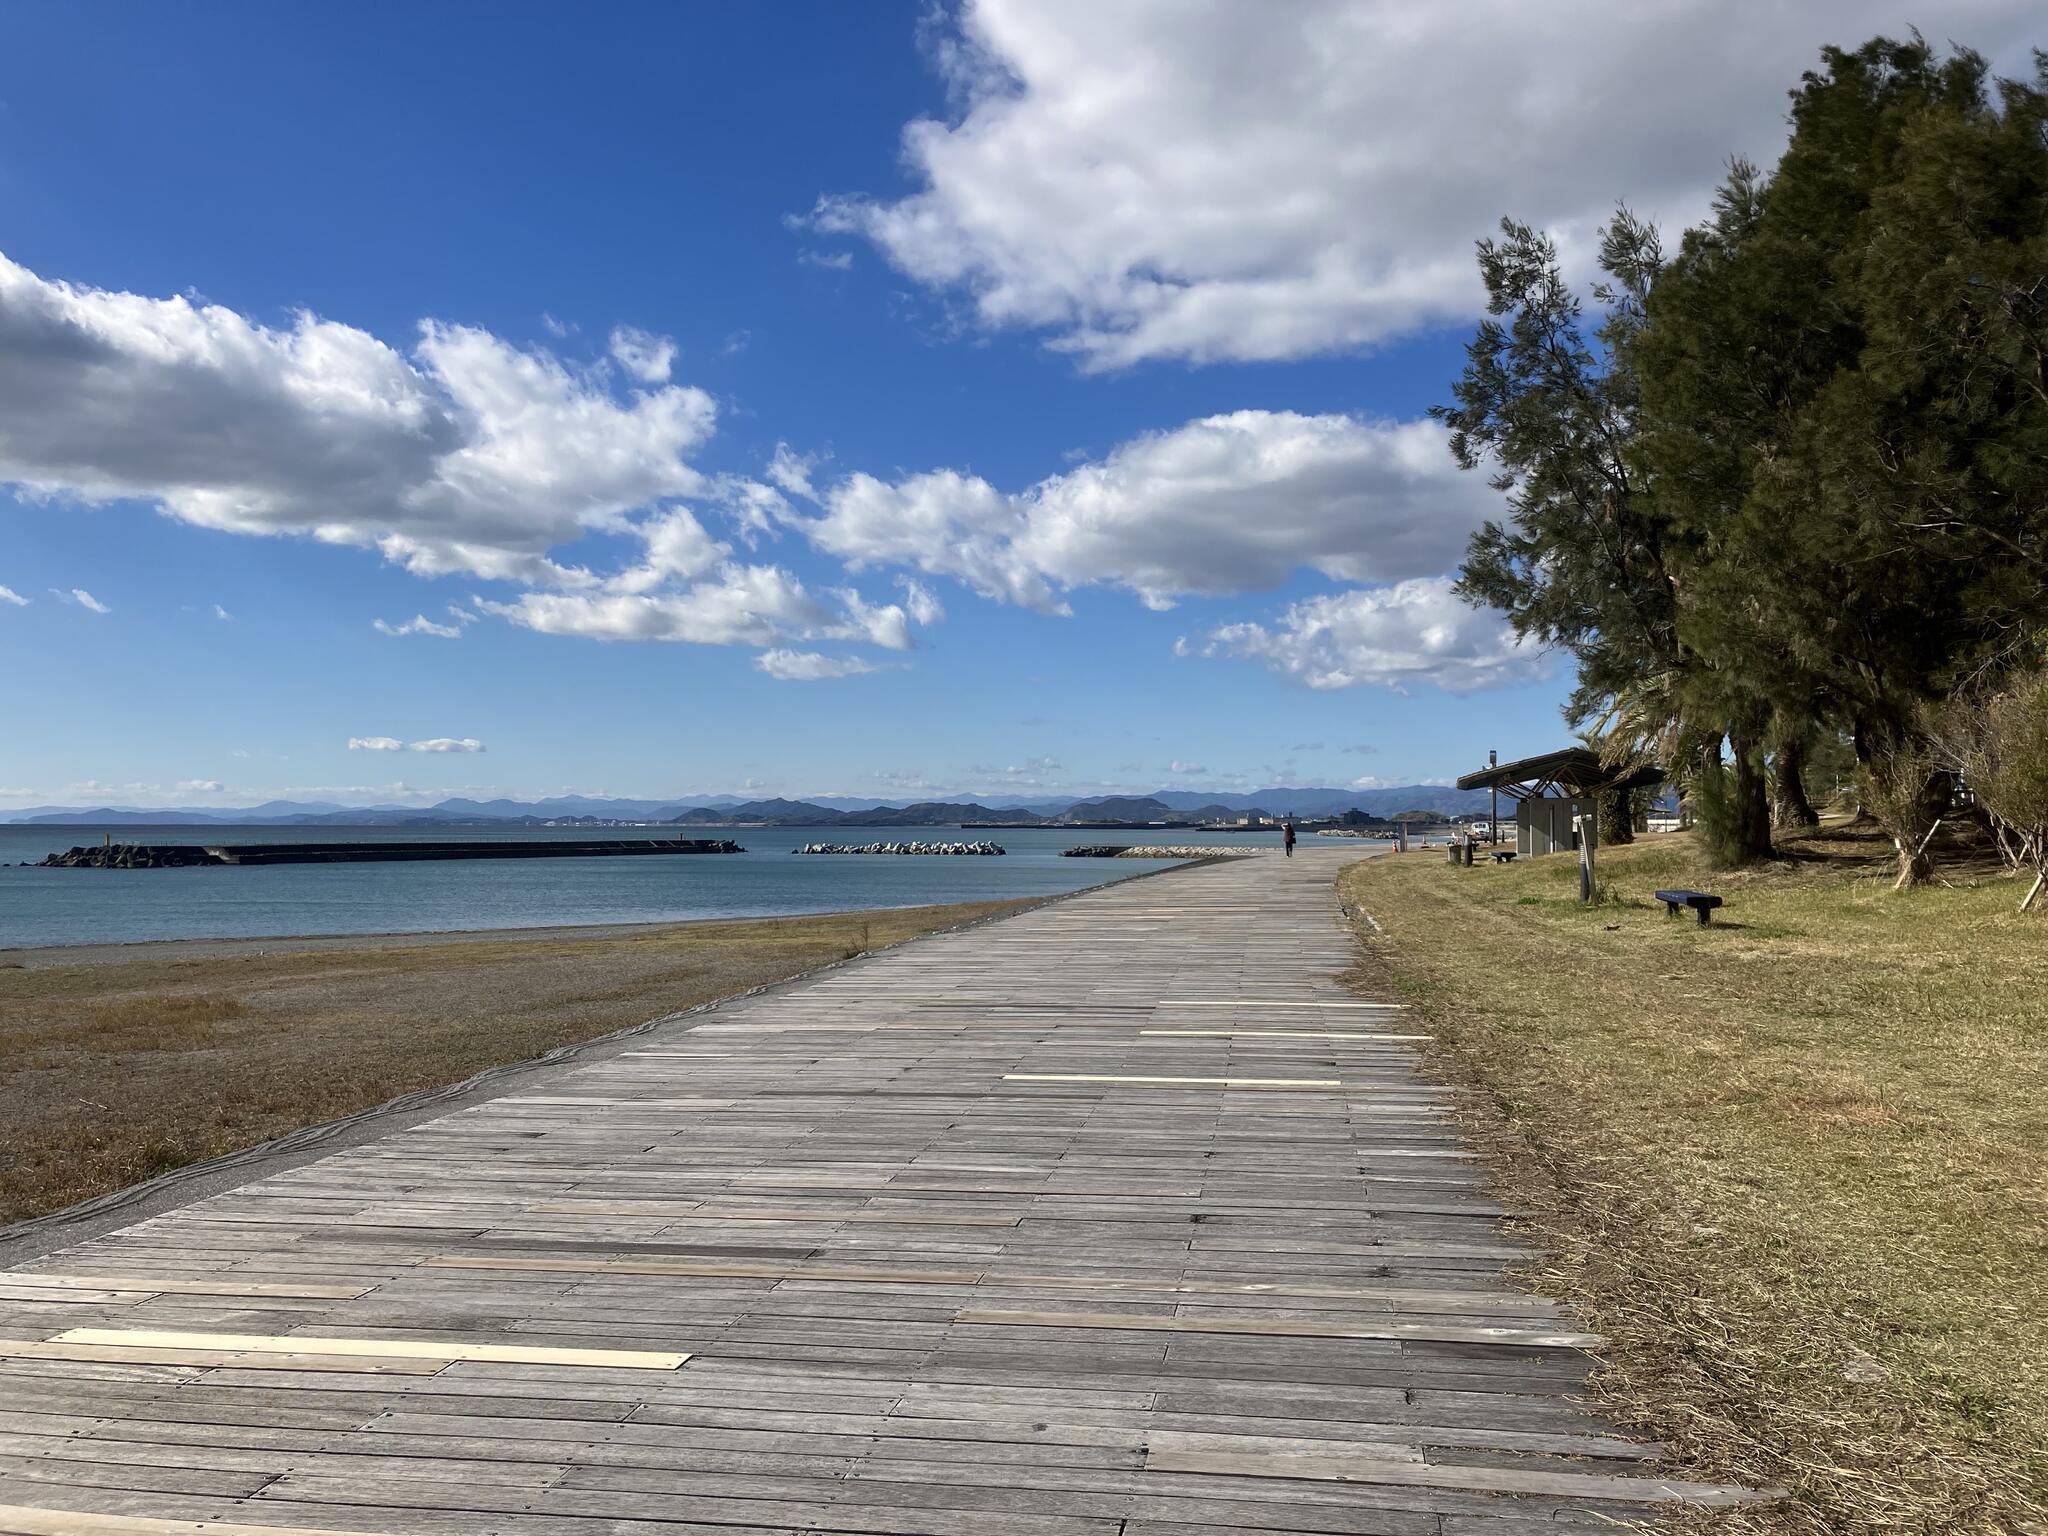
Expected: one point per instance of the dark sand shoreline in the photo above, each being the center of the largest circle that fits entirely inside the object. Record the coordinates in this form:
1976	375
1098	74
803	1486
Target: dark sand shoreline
34	955
139	1075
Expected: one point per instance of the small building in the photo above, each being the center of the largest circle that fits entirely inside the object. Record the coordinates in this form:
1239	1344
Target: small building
1552	791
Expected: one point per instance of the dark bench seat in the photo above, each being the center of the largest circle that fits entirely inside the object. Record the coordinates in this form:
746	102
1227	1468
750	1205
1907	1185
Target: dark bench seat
1700	902
1503	856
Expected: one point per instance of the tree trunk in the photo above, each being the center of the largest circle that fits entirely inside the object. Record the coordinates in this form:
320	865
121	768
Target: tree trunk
1788	786
1617	817
1904	792
1752	831
1915	866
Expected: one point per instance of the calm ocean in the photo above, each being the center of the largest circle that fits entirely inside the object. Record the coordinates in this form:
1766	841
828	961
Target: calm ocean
94	906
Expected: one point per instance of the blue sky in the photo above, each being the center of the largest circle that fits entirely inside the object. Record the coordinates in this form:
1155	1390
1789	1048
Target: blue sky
812	398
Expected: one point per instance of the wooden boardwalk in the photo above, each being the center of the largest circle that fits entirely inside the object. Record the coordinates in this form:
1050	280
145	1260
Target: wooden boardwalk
1121	1217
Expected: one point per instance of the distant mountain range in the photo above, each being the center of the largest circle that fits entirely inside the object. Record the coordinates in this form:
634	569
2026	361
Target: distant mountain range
825	810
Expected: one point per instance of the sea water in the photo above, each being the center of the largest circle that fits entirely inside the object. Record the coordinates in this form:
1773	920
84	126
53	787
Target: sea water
109	906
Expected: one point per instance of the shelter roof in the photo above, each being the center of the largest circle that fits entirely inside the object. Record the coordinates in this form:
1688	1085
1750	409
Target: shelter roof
1574	770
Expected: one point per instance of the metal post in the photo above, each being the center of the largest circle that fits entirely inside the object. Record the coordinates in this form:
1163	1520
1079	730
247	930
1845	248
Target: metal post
1493	816
1582	834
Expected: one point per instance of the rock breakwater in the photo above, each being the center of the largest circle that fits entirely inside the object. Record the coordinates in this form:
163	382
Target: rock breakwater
986	850
130	856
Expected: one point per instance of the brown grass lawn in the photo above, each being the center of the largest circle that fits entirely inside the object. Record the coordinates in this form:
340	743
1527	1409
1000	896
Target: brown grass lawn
112	1071
1795	1164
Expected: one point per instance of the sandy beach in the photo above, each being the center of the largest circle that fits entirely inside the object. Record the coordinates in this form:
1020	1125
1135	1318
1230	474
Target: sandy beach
122	1062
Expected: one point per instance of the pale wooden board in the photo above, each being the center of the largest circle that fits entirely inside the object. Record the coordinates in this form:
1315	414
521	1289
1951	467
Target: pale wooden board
302	1344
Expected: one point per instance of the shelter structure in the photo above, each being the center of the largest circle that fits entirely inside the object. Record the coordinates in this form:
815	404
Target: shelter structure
1551	791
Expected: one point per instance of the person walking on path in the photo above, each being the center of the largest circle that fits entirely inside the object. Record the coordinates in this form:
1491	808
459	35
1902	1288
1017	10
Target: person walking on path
1287	836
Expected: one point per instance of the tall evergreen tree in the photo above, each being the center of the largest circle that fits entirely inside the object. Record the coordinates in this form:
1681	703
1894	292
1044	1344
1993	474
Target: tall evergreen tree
1550	411
1843	403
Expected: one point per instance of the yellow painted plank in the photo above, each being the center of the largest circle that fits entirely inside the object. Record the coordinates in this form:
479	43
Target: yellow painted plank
1198	1082
402	1349
22	1520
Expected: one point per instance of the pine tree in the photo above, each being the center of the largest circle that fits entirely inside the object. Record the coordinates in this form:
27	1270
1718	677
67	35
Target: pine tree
1551	413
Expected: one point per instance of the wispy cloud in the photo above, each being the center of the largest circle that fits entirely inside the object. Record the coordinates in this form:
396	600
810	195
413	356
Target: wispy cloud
83	598
418	624
9	595
430	744
222	613
647	357
809	666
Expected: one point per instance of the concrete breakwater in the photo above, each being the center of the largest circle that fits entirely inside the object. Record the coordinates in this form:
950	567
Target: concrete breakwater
1153	851
989	850
185	855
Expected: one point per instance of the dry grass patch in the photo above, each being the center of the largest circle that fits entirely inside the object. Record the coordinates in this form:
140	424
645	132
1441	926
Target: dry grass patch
1792	1164
114	1071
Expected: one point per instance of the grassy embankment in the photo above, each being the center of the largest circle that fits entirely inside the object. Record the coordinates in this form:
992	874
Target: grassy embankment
115	1070
1795	1165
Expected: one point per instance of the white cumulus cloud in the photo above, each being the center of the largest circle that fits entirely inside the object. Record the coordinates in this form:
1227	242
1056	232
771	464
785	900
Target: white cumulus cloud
466	454
1223	504
86	600
1209	179
9	595
1413	632
375	744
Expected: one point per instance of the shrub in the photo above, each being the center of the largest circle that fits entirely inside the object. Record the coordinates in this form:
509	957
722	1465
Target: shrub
1996	742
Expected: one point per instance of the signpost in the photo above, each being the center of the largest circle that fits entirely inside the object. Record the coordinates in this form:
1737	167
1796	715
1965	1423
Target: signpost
1582	834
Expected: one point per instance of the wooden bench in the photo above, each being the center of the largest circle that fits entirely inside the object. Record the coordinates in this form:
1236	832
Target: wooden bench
1701	903
1503	856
